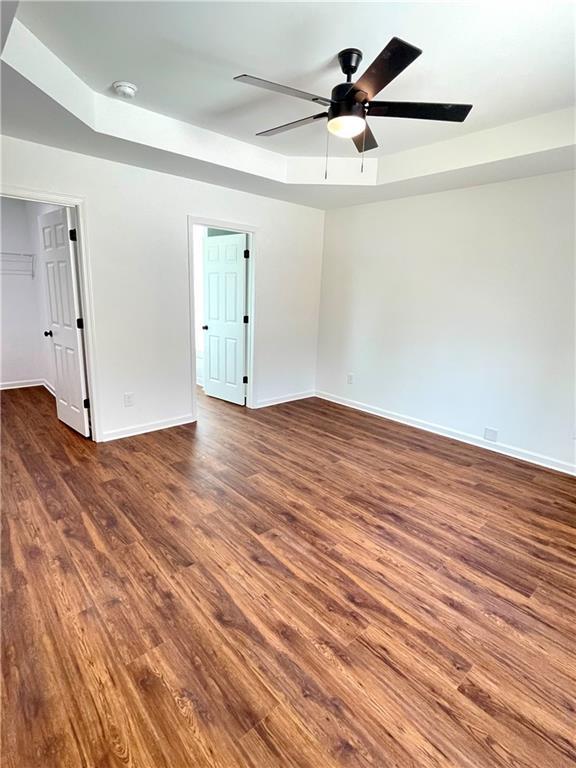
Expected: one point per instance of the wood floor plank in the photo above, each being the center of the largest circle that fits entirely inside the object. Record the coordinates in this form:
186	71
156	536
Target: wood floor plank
215	709
281	740
302	586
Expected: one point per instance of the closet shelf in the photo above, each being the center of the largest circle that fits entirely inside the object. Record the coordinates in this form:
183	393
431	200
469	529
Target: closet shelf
14	263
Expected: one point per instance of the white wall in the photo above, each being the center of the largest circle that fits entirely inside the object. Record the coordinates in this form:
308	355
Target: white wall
14	226
456	311
20	340
136	235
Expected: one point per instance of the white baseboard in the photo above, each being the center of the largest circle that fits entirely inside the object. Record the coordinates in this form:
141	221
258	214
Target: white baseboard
21	384
283	399
152	426
464	437
28	383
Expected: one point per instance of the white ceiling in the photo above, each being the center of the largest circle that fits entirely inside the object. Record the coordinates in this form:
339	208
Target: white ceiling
511	60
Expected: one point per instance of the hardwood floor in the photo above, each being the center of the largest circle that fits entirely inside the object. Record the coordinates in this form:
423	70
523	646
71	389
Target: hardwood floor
301	586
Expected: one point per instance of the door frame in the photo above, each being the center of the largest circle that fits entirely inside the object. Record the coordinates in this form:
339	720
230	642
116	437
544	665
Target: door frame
251	232
78	204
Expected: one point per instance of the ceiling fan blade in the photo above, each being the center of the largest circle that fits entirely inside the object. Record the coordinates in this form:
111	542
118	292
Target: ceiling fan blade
285	89
386	66
420	110
365	140
294	124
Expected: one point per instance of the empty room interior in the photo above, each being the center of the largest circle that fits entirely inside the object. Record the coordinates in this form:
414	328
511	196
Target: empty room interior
288	384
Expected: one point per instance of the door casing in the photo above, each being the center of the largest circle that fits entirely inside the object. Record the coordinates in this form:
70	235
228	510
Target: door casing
84	284
251	232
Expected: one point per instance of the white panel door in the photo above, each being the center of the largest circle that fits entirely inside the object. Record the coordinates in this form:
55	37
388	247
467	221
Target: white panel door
59	260
224	310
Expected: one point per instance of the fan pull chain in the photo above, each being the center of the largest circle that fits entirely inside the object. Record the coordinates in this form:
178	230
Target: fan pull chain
326	159
363	145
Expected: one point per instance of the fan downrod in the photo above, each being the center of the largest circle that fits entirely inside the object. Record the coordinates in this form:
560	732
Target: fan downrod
349	60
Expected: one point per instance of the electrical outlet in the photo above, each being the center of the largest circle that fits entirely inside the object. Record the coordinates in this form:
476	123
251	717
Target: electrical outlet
490	434
350	378
128	399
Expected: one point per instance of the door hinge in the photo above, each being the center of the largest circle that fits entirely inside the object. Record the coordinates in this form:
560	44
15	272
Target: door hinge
73	236
80	323
245	318
86	402
246	254
244	379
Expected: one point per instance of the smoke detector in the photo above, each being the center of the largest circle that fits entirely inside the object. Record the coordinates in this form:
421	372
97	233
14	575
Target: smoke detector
124	89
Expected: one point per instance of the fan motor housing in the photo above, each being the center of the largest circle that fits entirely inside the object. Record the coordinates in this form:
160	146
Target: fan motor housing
342	92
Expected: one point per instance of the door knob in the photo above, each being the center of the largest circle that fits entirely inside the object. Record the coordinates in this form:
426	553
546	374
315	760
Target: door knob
204	327
48	333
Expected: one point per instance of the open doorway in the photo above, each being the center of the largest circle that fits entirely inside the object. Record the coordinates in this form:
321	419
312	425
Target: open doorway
221	269
42	340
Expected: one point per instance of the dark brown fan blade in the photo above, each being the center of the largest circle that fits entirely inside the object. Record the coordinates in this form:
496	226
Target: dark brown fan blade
386	66
420	110
285	89
365	140
295	124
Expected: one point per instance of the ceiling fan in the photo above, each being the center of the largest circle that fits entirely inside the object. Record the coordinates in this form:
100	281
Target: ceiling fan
351	103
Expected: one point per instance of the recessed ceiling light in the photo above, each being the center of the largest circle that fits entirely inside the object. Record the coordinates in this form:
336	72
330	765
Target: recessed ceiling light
124	89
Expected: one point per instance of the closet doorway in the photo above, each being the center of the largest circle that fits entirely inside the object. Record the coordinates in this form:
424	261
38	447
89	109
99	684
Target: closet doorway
222	270
42	342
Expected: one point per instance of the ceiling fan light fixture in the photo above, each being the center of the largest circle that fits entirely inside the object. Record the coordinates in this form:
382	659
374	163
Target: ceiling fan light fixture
346	126
346	117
